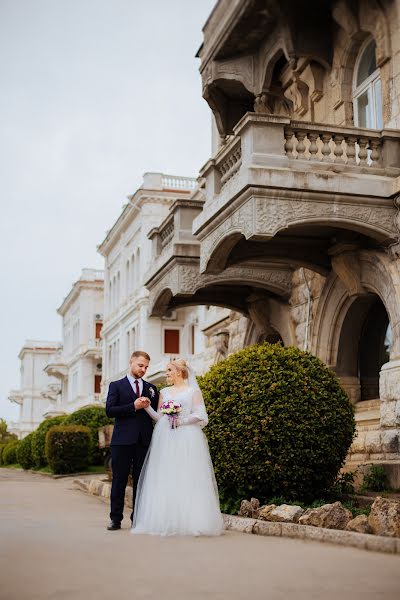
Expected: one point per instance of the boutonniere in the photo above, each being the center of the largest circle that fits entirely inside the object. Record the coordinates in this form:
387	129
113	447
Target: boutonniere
152	392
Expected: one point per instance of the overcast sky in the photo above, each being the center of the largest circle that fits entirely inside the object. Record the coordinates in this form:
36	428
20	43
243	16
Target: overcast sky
93	94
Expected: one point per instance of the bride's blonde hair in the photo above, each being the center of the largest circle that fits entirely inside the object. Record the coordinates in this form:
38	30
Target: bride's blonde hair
182	366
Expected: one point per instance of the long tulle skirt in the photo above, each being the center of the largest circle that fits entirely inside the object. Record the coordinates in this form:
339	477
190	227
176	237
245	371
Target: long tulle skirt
177	493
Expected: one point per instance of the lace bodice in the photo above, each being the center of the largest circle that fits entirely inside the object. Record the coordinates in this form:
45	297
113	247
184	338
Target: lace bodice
184	397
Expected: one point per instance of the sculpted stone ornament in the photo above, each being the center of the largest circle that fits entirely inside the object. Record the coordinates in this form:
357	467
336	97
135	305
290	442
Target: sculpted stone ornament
346	264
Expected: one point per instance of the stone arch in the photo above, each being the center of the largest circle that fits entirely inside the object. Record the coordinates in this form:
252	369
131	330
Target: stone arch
220	250
341	318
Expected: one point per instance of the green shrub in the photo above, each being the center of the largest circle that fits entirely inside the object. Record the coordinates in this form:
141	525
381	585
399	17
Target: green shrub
39	441
24	452
93	417
67	448
2	446
279	424
9	454
375	479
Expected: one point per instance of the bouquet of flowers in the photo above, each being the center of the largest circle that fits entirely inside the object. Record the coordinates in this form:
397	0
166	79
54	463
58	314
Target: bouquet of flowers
171	408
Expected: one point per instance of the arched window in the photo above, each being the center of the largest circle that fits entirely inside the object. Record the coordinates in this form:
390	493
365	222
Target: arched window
367	93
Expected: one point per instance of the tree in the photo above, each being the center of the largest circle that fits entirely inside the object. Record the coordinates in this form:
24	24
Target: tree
6	436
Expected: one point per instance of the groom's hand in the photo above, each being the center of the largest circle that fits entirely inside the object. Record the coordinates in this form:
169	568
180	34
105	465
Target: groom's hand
141	402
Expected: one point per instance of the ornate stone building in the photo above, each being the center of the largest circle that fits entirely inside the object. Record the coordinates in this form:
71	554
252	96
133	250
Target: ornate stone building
34	385
78	364
58	378
127	250
298	220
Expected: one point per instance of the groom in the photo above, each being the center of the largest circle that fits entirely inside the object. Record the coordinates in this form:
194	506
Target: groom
132	433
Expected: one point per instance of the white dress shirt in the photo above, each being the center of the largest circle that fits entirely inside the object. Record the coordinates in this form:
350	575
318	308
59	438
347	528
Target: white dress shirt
132	382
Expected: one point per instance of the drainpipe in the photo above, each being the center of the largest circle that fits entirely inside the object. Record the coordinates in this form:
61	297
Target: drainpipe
309	303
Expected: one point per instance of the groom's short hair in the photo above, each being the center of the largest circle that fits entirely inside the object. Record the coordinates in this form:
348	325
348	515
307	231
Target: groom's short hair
138	353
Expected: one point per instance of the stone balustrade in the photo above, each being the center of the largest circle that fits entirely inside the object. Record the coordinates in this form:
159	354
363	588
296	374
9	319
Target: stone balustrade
275	152
341	145
172	182
166	233
231	163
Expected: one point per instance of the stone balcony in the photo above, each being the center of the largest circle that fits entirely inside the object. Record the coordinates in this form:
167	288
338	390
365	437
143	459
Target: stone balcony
16	396
94	349
275	173
57	367
173	243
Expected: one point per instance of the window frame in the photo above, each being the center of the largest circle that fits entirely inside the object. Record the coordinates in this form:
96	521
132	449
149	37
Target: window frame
369	86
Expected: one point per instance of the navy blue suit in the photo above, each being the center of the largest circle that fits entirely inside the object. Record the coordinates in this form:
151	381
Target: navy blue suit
130	440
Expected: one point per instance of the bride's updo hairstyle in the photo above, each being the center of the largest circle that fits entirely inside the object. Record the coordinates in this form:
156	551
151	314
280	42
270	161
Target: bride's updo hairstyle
182	366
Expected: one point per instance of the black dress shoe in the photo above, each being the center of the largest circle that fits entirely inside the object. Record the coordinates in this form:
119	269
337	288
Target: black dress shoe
113	526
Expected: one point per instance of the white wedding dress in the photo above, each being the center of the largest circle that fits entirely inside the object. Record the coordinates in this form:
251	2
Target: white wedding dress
177	492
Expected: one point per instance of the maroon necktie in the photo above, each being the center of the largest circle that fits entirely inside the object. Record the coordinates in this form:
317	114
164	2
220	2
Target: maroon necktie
137	392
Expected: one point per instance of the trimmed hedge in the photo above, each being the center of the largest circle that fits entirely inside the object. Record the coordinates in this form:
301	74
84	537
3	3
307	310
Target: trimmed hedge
24	452
93	417
9	454
279	424
39	441
67	448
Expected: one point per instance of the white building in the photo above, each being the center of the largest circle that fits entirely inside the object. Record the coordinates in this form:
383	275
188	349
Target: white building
34	356
78	366
127	250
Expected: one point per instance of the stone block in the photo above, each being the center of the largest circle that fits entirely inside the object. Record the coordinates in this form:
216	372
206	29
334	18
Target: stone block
286	513
265	511
390	440
359	524
95	487
373	441
239	523
330	516
106	490
267	528
384	518
293	530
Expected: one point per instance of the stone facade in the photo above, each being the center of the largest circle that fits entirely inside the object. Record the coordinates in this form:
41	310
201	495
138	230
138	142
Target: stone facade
298	233
130	250
35	385
78	365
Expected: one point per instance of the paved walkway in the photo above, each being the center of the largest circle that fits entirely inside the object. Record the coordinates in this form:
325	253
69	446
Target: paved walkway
54	545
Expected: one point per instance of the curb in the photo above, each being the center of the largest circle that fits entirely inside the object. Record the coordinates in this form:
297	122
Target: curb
363	541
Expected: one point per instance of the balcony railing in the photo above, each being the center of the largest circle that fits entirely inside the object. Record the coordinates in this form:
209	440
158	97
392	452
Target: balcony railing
172	182
341	145
277	152
166	233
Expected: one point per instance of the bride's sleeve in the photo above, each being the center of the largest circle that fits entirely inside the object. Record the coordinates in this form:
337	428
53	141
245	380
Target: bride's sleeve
198	416
155	415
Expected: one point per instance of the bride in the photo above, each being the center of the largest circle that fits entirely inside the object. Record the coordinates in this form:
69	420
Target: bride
177	492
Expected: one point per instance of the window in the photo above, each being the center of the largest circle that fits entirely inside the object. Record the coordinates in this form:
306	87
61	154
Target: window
99	326
127	276
97	384
171	341
367	95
